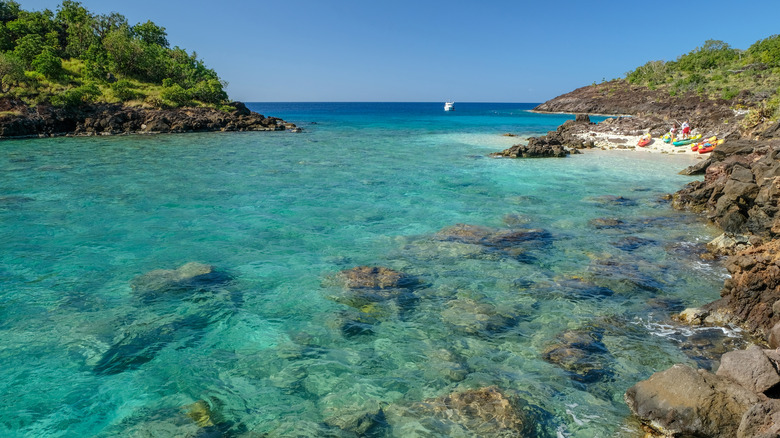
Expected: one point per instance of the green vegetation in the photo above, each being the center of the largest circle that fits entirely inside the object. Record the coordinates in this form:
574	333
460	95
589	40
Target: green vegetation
750	78
73	56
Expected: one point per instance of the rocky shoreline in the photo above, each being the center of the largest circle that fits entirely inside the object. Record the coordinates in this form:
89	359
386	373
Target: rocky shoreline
739	194
18	120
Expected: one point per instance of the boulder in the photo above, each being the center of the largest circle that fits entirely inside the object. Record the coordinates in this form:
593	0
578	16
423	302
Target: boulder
483	412
682	401
754	368
188	277
761	421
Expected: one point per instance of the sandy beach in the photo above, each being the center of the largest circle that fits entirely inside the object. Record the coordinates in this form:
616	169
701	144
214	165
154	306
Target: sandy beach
629	143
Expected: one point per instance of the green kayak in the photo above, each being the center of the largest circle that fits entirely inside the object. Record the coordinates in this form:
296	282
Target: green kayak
683	142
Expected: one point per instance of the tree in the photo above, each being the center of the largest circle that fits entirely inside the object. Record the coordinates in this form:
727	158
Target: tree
151	33
78	25
105	24
28	47
48	64
11	71
9	10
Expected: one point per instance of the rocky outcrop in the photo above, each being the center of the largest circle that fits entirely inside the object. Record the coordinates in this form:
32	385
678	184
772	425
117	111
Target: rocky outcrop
682	401
618	97
556	144
740	190
478	412
739	400
17	120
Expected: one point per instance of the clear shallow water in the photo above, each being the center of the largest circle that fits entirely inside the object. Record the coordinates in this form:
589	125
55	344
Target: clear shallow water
280	214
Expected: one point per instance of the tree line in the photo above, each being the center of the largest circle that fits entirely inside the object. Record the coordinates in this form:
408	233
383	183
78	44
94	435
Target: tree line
111	54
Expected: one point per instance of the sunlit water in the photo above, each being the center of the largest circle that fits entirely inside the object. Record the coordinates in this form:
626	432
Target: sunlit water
272	347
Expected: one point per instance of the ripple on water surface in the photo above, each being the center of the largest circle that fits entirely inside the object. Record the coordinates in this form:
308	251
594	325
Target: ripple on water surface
501	283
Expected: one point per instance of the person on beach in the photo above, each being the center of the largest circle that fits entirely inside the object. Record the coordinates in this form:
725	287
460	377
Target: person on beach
673	131
686	130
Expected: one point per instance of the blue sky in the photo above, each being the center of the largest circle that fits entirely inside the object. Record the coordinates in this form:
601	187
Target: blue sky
430	51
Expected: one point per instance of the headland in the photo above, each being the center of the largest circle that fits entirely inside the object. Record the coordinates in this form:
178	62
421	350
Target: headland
739	194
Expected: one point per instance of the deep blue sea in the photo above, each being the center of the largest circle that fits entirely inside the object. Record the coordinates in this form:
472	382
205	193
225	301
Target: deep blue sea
549	280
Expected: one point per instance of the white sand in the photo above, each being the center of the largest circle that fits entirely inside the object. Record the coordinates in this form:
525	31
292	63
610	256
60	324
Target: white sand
628	142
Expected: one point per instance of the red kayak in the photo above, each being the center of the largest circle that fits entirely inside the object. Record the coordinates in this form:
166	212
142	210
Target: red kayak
644	141
706	149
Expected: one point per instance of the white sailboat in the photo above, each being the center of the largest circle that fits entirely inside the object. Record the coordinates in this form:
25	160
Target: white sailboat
449	106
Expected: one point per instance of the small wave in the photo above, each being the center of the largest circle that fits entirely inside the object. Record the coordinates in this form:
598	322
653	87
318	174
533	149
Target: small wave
679	332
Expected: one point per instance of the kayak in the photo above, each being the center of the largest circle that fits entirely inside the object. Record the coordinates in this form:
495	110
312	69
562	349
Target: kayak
706	149
712	141
668	138
645	140
687	141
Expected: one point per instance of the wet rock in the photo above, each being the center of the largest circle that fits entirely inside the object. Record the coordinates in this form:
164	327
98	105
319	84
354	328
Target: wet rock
189	277
606	222
582	354
512	242
536	148
474	317
611	200
141	342
377	278
579	289
682	401
370	288
631	243
480	412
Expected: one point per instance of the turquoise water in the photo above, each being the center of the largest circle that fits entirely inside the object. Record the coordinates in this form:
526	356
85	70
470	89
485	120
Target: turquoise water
272	344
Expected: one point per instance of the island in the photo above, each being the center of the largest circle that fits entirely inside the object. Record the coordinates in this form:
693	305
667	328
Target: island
732	95
72	72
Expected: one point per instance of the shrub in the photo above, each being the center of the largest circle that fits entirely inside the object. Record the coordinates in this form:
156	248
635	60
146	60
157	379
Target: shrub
48	64
123	90
175	95
86	93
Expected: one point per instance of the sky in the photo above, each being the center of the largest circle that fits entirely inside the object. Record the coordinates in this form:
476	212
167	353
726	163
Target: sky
435	50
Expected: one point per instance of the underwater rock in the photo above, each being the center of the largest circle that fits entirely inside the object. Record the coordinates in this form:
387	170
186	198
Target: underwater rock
579	289
141	343
484	412
612	200
582	354
630	243
509	242
375	291
606	222
474	317
622	276
188	277
376	277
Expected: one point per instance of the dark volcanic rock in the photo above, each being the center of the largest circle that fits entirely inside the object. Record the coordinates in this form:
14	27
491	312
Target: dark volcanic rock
555	144
20	120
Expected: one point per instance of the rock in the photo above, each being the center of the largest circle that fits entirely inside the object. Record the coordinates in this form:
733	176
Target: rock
682	401
761	421
100	119
371	288
484	412
474	317
692	316
754	368
376	277
186	278
754	287
582	354
774	336
507	242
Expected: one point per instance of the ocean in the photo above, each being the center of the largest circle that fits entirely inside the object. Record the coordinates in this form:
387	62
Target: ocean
548	281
